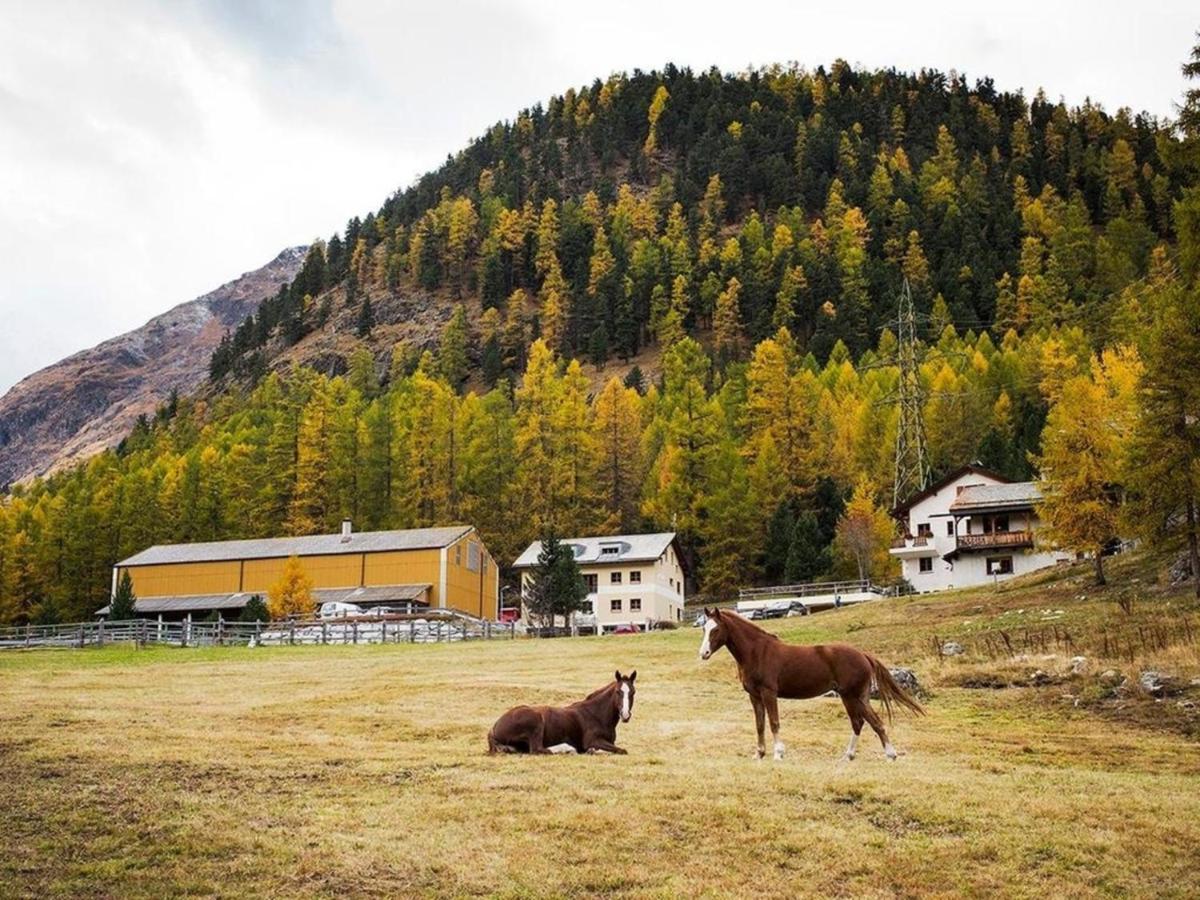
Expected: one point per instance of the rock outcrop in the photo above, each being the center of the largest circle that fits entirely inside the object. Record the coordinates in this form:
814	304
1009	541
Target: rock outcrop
90	401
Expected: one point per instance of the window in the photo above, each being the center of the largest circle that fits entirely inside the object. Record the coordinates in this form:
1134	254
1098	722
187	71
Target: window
587	608
999	565
614	605
925	564
924	529
679	615
473	556
614	578
672	580
635	605
997	524
679	587
589	581
950	528
610	550
635	577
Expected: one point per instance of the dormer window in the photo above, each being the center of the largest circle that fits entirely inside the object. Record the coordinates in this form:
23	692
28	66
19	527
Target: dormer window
610	549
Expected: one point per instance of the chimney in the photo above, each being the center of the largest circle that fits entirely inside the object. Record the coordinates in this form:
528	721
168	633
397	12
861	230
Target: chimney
345	531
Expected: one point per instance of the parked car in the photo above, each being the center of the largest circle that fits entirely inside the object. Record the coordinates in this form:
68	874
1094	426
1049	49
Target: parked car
699	621
797	608
335	609
509	614
627	628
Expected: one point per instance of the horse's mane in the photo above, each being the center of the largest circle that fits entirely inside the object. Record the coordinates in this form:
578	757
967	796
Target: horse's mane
749	626
598	691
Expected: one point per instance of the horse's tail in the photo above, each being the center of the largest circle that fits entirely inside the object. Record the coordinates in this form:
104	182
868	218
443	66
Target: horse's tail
890	690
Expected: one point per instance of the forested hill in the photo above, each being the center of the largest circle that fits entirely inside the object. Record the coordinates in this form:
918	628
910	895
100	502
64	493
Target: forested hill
813	191
742	238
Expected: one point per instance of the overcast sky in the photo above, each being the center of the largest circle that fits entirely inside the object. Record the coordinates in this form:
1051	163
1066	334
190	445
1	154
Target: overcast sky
150	151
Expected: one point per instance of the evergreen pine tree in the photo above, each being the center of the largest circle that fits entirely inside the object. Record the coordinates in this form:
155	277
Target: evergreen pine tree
122	606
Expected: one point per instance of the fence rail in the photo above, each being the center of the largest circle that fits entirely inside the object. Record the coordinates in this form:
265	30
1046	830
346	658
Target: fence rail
383	630
810	589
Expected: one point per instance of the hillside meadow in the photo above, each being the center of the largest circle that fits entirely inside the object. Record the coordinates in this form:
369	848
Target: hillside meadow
360	771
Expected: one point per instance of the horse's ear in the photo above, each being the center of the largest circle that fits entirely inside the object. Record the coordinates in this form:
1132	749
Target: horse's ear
618	674
716	613
633	676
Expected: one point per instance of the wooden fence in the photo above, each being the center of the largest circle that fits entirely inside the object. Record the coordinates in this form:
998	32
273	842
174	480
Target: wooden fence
380	630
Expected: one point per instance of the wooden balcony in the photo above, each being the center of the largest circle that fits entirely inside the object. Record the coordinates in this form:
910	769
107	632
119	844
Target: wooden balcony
997	540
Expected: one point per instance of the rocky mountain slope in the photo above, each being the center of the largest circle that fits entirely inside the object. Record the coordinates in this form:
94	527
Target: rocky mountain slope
89	401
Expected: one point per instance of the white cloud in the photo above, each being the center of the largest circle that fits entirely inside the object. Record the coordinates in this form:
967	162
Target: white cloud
150	151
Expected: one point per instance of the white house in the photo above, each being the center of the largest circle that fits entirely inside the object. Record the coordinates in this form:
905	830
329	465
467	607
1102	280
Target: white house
631	578
972	527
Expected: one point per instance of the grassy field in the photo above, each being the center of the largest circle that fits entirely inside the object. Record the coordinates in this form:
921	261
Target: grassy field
348	771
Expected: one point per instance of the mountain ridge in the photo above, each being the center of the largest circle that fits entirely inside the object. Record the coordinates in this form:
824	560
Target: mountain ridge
89	401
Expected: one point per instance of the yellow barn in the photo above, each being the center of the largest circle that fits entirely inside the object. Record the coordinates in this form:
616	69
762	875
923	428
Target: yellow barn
438	568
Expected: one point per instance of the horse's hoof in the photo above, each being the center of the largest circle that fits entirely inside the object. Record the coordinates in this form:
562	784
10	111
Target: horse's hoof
759	754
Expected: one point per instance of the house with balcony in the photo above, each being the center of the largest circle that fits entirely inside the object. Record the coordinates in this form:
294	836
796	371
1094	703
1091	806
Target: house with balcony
632	579
974	526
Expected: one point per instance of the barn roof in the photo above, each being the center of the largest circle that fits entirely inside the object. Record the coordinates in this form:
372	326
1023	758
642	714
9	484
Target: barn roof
363	596
311	545
622	548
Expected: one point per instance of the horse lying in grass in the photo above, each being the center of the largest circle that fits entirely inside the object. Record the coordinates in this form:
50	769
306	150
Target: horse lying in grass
587	726
770	669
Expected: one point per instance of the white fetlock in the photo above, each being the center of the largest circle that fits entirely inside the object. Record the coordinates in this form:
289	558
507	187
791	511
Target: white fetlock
852	748
779	750
561	748
890	752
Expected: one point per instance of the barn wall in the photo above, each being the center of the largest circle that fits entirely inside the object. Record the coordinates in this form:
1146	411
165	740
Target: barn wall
471	590
331	571
184	578
405	567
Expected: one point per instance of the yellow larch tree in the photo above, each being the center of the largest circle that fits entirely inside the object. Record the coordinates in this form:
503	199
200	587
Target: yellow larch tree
292	594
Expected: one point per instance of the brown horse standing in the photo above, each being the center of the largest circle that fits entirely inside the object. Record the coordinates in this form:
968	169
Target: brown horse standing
770	669
587	726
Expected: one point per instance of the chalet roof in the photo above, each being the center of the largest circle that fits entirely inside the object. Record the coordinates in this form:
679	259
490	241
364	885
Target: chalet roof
969	469
999	497
588	550
363	596
311	545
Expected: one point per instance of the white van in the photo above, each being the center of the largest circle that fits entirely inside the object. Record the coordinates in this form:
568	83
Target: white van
335	609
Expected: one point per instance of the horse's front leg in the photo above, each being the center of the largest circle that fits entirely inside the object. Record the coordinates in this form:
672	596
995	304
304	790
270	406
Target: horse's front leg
600	745
759	723
770	700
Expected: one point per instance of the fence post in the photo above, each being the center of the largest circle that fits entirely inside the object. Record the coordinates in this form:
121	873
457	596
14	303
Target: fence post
355	632
324	633
383	631
81	644
292	633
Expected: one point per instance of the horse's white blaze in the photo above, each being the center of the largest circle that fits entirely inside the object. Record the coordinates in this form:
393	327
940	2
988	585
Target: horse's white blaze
561	748
710	625
625	703
852	748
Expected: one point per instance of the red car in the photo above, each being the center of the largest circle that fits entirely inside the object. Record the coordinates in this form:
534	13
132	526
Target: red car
626	629
509	614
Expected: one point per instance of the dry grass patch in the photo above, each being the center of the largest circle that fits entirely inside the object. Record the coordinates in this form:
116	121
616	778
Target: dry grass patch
345	771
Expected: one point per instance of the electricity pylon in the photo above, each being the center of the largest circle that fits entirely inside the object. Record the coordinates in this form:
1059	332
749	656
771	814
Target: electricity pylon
912	458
